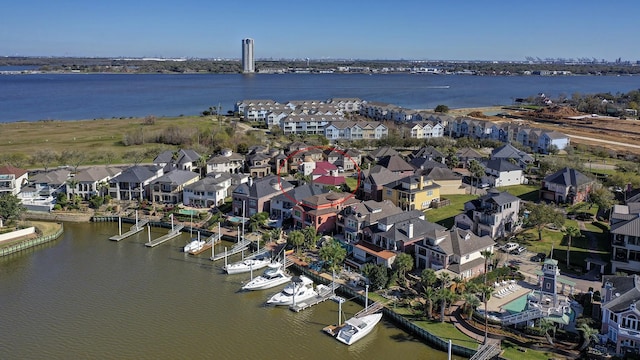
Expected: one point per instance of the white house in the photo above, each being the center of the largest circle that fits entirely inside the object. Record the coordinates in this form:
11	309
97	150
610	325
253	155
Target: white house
503	173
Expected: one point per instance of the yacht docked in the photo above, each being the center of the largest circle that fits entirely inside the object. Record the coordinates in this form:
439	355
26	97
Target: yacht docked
247	265
194	245
300	289
357	328
274	275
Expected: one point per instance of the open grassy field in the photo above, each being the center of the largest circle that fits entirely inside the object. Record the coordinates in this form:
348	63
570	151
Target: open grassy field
92	137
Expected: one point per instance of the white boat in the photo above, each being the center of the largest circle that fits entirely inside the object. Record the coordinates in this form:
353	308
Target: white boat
247	265
272	277
194	245
357	328
300	289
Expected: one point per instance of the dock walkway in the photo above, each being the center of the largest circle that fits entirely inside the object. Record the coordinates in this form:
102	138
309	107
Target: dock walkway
324	293
238	247
172	234
135	228
211	240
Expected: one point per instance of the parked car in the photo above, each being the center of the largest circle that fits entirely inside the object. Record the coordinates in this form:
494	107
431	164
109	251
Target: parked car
509	247
539	257
519	250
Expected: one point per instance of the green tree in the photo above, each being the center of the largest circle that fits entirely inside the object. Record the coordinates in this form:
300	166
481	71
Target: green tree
428	277
11	207
471	302
296	238
45	157
403	264
476	169
487	255
545	326
430	295
542	214
589	334
602	197
377	275
257	220
310	236
333	254
441	109
446	296
71	189
571	232
486	292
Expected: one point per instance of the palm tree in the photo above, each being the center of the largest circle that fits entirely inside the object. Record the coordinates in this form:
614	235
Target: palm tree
444	295
476	170
588	334
310	236
430	296
428	277
403	264
486	295
486	254
71	184
470	303
546	325
571	232
296	238
334	254
458	285
201	163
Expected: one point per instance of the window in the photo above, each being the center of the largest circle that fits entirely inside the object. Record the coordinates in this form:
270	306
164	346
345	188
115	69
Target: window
389	192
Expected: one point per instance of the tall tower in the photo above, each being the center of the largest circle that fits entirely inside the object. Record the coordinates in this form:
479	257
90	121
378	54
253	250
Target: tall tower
248	65
550	273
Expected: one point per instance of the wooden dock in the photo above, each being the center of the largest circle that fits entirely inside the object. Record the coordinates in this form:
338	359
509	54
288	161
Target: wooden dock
212	240
325	293
136	228
237	248
373	308
172	234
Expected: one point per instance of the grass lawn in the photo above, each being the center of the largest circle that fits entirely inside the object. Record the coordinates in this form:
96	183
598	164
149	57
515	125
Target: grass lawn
92	137
444	215
442	330
511	352
352	183
524	192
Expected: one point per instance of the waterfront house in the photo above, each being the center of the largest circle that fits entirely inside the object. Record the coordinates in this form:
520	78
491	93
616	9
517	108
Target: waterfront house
12	179
566	186
226	161
494	214
400	232
282	205
349	105
354	218
625	237
43	189
209	191
621	312
456	250
414	192
133	183
93	181
256	195
168	188
321	211
241	107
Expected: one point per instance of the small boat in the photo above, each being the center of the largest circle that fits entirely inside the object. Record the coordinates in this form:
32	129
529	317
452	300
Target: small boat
357	328
272	277
247	265
194	245
300	289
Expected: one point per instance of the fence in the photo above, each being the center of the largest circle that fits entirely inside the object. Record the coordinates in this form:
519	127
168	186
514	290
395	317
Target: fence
26	244
396	318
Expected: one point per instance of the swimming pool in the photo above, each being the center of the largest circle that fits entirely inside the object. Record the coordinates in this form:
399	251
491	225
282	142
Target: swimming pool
236	219
188	212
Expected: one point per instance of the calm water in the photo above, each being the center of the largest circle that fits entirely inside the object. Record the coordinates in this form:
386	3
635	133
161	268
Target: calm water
91	96
83	297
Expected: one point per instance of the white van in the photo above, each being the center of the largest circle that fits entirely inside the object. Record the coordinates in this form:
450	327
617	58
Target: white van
509	247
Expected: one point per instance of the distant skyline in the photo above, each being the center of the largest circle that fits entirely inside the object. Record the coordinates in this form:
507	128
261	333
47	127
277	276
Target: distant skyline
410	30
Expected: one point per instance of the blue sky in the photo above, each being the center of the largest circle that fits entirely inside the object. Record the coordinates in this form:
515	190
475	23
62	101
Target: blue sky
346	29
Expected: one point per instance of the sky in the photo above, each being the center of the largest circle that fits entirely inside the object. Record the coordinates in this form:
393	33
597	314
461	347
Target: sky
329	29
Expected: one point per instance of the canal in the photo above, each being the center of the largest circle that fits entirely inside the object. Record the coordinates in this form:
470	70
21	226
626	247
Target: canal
85	297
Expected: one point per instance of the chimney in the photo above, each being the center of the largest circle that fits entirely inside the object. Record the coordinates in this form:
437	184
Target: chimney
410	231
421	186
